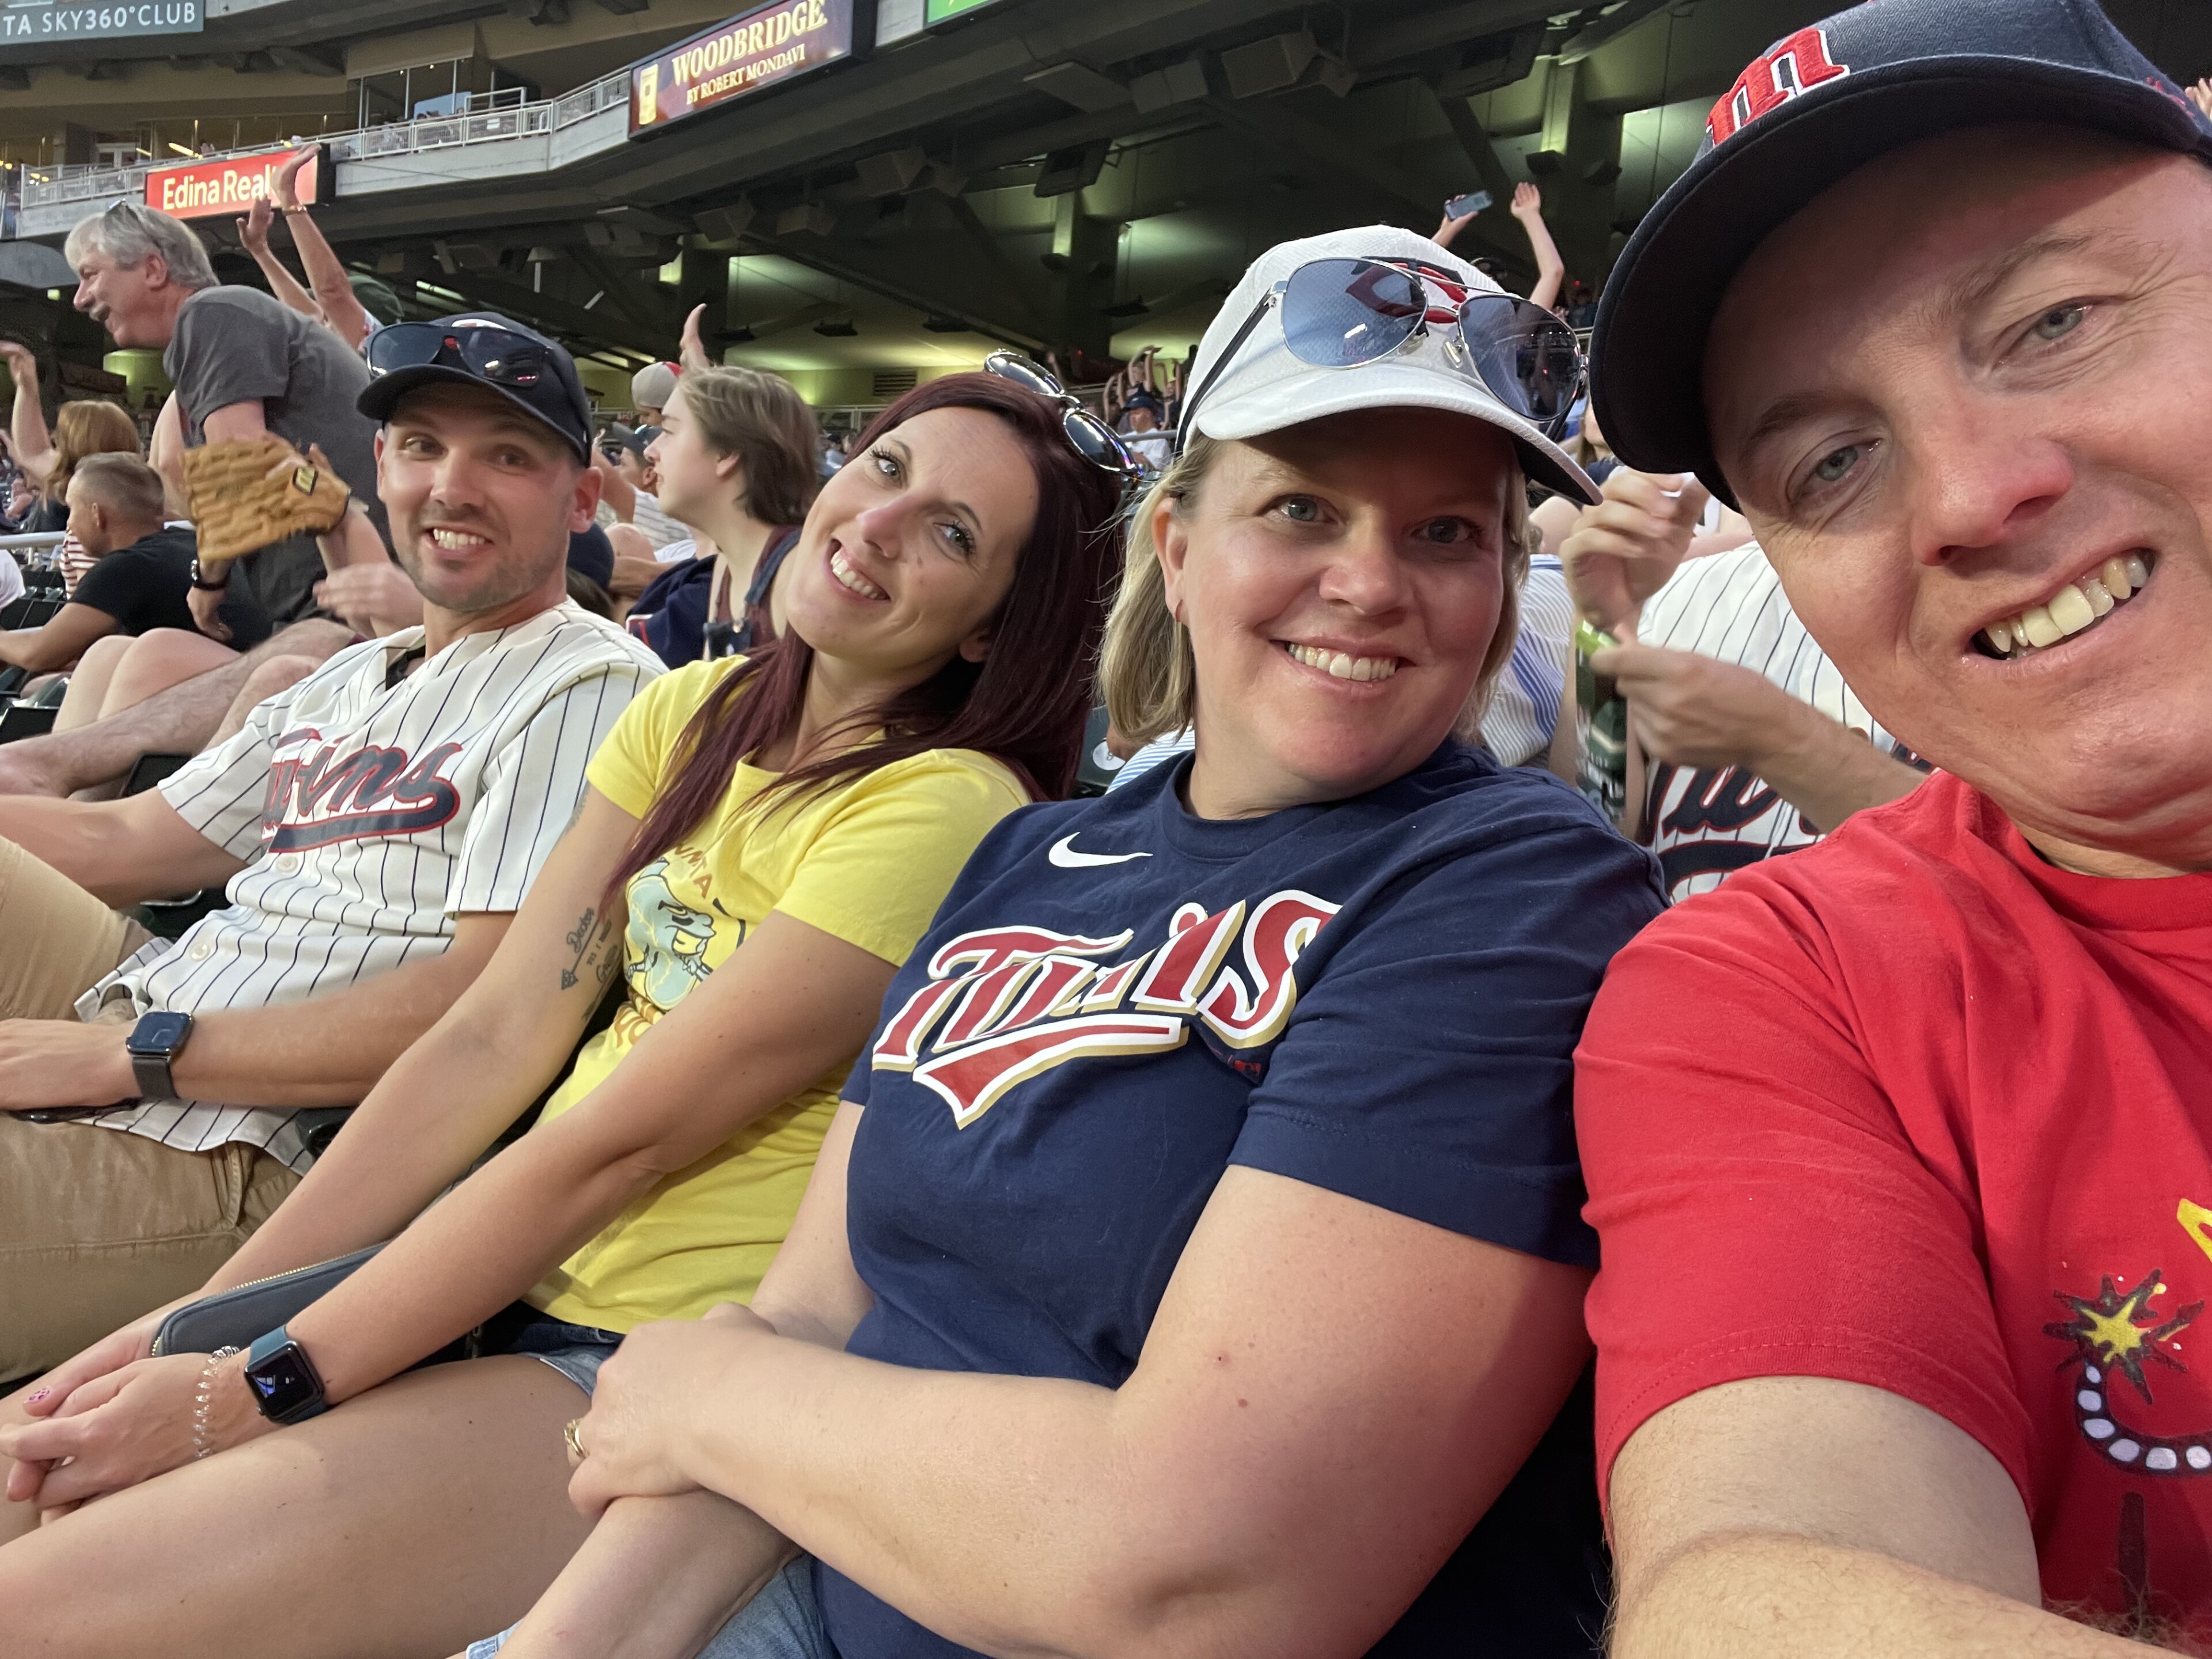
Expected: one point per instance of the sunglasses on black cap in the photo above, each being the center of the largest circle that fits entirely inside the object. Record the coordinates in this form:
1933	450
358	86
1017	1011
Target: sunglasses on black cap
496	354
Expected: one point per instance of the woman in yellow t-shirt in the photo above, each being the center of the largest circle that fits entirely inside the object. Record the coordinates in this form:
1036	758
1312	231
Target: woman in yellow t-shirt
762	843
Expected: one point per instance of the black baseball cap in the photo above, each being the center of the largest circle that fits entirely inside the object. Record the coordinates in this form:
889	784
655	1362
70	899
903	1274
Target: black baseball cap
1811	109
480	347
628	437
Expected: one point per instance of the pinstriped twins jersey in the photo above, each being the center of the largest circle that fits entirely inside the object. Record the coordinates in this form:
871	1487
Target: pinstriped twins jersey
1703	822
375	809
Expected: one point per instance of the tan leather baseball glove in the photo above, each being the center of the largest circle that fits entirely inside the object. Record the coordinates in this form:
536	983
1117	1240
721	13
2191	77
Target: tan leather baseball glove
249	492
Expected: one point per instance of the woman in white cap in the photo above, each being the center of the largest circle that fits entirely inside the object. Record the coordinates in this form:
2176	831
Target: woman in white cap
1194	1264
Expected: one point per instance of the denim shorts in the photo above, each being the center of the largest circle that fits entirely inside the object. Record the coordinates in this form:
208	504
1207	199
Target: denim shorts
781	1622
576	1351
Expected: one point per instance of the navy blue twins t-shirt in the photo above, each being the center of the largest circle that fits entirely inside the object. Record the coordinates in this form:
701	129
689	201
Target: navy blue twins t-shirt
1379	996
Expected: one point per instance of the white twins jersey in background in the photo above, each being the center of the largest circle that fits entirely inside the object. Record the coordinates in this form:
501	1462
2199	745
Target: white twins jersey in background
1706	822
374	814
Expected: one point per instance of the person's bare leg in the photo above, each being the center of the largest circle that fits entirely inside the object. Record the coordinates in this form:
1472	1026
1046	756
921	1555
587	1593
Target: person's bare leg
262	683
409	1522
161	658
179	721
81	703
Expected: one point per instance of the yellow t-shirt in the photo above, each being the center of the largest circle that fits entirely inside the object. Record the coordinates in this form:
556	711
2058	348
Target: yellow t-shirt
869	861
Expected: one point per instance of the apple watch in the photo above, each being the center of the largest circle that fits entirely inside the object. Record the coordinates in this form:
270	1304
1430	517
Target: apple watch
154	1044
285	1387
200	581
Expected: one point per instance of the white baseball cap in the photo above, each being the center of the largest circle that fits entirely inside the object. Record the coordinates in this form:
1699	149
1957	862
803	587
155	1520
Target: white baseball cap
1266	387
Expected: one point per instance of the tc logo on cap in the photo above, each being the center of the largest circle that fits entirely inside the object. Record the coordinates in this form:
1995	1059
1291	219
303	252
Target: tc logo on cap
1772	79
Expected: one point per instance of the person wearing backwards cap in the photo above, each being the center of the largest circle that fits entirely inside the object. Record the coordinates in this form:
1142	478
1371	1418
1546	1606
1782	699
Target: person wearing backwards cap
1195	1263
650	389
377	824
1900	1148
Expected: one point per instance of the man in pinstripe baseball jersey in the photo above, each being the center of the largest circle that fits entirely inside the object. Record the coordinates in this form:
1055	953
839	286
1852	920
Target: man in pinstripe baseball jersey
1750	742
377	824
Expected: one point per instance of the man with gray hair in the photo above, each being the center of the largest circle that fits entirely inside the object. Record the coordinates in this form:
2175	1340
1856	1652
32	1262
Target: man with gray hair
243	365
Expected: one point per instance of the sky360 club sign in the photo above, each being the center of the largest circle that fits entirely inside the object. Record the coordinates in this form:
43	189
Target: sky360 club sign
772	44
24	22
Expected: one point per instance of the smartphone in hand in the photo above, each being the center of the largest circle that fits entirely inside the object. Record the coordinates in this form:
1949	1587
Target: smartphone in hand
1460	206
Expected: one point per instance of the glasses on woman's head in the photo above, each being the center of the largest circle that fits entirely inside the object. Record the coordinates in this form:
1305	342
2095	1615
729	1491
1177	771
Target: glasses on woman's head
1093	439
1345	313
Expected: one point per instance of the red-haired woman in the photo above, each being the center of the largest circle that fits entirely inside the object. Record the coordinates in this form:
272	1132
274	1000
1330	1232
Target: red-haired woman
764	841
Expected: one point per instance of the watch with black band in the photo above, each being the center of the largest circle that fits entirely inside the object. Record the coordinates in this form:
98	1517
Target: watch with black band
200	581
286	1388
154	1044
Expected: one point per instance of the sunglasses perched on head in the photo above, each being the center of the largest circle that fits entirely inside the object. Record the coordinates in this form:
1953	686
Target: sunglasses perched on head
1347	313
1093	439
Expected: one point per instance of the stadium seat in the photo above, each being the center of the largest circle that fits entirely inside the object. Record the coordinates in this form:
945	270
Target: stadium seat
23	720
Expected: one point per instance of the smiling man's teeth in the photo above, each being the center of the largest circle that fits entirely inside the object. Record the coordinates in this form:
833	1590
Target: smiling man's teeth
458	541
2071	609
852	579
1337	666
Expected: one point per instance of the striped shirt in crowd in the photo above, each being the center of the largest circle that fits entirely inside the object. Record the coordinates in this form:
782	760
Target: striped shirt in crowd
375	808
1705	822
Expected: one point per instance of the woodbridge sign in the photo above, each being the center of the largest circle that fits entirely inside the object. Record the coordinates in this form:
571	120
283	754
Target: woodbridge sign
762	48
207	188
26	21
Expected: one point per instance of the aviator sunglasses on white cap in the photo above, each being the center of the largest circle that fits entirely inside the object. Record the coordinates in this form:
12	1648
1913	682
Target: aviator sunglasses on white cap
1347	313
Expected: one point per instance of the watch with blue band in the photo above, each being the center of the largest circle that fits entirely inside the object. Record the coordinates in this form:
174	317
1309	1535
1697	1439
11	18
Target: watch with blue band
286	1388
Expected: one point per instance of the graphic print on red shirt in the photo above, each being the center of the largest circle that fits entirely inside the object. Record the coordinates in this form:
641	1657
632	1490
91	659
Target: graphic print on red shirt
1915	1109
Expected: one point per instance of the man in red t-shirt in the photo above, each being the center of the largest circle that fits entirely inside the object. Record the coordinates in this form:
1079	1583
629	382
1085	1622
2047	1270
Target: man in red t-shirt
1900	1149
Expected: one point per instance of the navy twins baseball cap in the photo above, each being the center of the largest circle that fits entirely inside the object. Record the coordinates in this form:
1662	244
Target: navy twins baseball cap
1811	109
480	347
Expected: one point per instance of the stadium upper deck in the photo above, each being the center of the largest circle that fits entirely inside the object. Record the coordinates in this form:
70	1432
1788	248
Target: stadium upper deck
908	182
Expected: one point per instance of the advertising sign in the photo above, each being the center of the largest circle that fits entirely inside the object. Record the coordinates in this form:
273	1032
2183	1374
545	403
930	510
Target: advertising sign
26	22
200	190
763	48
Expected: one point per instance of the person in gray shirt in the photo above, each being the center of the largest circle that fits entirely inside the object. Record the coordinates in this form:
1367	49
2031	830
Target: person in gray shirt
243	364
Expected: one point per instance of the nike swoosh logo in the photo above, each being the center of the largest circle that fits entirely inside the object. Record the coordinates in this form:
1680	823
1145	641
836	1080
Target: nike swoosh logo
1063	853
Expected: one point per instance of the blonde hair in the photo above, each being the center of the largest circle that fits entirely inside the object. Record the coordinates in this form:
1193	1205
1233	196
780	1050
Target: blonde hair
89	426
1146	670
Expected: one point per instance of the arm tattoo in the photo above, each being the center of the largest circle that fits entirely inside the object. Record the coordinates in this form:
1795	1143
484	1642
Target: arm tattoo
590	941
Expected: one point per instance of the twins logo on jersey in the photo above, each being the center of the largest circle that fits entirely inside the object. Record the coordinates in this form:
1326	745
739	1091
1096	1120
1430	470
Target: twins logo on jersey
1003	1004
316	798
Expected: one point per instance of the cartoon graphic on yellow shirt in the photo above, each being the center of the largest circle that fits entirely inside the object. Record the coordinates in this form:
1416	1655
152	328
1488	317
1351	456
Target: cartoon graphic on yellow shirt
677	935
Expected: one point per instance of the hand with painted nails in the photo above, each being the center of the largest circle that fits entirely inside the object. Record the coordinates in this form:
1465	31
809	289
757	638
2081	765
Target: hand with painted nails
121	1347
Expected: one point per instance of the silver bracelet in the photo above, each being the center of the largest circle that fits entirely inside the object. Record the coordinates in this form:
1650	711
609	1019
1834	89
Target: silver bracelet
200	1447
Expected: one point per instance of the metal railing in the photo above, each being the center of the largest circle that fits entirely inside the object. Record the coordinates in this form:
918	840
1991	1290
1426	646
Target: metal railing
78	182
84	184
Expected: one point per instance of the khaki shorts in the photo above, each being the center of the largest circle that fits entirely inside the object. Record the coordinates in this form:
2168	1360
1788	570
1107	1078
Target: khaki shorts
98	1226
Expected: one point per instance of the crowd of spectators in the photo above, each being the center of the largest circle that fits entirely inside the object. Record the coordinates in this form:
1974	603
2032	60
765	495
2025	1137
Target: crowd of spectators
1030	1029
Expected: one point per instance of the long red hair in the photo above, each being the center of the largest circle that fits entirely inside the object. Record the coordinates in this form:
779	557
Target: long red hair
1023	705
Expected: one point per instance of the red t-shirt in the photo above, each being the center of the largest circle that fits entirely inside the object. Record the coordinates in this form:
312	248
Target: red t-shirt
1914	1109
